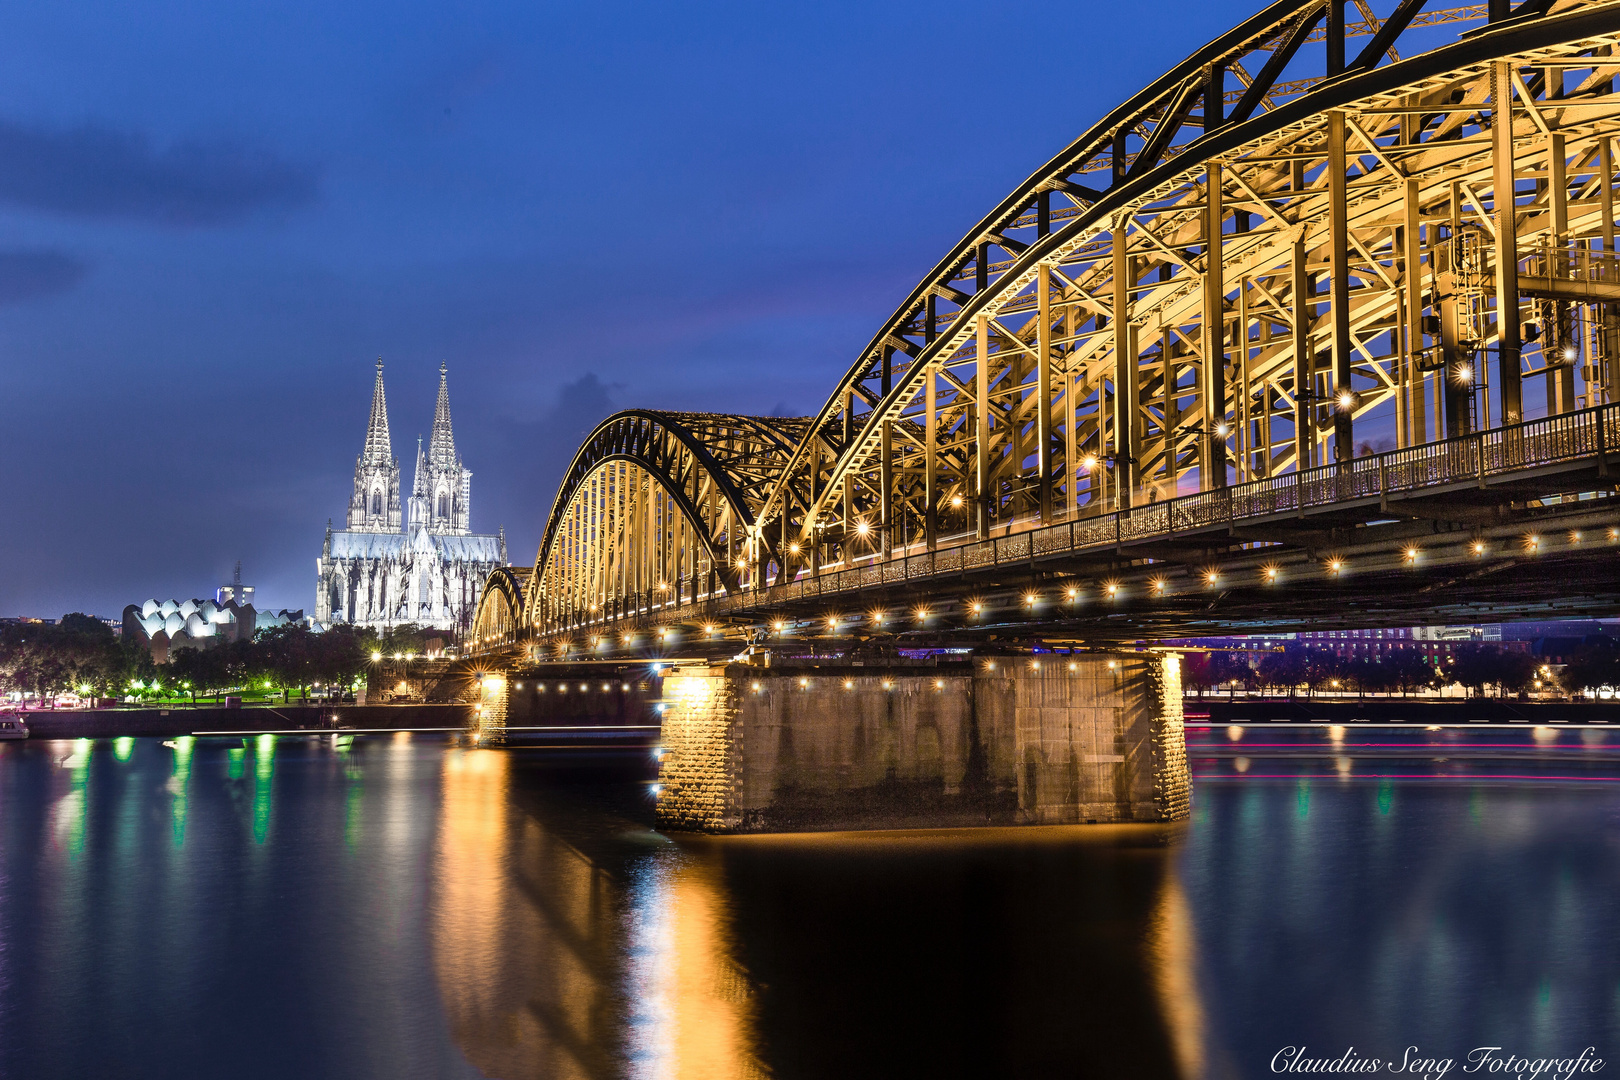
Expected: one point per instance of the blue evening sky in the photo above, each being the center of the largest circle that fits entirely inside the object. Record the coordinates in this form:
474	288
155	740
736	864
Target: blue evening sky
215	216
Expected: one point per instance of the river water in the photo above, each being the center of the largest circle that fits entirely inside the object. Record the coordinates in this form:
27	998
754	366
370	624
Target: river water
395	906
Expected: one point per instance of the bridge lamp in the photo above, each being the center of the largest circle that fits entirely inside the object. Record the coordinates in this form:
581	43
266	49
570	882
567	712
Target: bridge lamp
1479	547
1532	543
1222	430
1158	585
1614	534
1574	537
779	626
1271	574
663	586
376	656
1335	565
1088	463
832	622
939	684
977	608
1112	588
1031	599
399	656
922	614
709	629
863	528
793	549
956	501
1212	577
1073	593
1569	353
849	684
1034	665
887	685
877	618
1113	664
1463	374
1346	400
804	684
1411	554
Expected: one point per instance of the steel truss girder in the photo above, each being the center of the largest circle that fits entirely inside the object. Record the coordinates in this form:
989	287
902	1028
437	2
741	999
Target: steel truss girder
1222	308
712	470
818	486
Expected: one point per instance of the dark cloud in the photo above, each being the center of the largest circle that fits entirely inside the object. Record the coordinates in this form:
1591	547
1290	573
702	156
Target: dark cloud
26	275
99	172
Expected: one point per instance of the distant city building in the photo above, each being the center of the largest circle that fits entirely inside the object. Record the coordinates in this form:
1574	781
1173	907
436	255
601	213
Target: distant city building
163	626
242	594
414	563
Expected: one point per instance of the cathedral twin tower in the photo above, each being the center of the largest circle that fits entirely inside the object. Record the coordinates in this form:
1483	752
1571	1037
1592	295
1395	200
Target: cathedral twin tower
418	563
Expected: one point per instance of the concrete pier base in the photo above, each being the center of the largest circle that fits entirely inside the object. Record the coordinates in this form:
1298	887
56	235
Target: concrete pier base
1057	739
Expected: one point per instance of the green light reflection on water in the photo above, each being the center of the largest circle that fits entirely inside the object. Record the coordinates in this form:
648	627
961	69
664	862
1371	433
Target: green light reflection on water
72	809
1302	799
264	768
1386	795
180	783
234	762
123	747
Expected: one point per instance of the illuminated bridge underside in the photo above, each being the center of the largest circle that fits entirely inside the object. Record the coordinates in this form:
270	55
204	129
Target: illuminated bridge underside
1332	231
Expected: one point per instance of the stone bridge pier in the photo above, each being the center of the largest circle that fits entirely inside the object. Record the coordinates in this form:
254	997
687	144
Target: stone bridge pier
1087	738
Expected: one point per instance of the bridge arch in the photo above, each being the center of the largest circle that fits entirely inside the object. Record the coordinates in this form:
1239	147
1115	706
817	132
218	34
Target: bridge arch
1056	363
502	616
1318	237
656	508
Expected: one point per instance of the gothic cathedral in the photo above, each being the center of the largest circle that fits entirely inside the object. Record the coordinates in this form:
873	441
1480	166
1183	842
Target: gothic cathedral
413	563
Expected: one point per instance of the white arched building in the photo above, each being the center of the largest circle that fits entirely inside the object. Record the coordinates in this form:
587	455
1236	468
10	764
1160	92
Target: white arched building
417	563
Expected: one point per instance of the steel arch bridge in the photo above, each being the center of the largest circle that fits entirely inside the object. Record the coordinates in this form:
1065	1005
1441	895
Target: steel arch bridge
1328	232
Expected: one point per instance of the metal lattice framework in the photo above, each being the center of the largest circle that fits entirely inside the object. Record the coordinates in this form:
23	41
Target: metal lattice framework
656	508
1325	233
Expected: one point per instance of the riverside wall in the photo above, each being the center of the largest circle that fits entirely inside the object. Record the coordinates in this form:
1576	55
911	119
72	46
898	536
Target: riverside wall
1084	739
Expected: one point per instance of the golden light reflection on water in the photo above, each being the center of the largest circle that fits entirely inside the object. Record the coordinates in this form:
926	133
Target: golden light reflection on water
1173	958
567	950
695	1007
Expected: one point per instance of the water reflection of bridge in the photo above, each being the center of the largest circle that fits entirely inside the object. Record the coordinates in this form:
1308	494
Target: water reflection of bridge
571	942
1145	382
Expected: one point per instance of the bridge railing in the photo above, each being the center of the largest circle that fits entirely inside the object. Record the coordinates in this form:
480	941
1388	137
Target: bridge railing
1469	459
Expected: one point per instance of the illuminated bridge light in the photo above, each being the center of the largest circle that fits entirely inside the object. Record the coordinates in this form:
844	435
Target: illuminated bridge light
1479	547
1271	573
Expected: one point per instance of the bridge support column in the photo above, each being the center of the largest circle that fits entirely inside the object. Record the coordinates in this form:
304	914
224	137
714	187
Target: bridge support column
1088	739
489	713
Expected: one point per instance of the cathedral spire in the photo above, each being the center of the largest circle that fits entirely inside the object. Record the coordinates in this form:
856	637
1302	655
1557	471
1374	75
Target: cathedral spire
379	450
442	446
421	485
375	503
